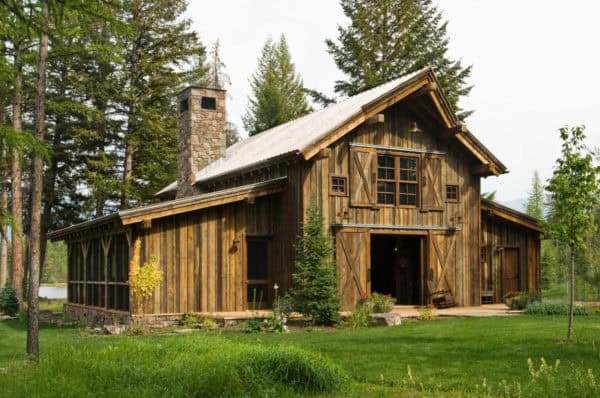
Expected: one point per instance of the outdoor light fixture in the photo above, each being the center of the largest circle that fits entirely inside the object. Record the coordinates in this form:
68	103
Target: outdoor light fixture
414	128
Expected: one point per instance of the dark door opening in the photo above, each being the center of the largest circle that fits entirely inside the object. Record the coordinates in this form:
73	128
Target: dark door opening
257	273
396	267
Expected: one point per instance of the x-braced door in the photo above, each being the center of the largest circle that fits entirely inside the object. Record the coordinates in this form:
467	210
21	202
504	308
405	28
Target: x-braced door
352	257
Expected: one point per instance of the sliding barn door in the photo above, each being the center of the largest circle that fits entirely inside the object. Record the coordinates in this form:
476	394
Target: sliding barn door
352	258
442	261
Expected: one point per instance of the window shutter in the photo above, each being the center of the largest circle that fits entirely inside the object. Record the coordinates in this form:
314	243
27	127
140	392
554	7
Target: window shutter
363	175
432	198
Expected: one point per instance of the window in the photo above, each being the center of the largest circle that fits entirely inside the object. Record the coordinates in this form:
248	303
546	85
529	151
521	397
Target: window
452	193
184	105
258	270
397	180
208	103
339	186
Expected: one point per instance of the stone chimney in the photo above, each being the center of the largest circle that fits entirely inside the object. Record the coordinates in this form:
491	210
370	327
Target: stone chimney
201	140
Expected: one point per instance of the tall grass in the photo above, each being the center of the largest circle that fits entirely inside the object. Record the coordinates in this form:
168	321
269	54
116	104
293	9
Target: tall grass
195	366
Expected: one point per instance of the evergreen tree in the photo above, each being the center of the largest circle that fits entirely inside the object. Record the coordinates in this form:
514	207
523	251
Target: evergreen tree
278	94
159	50
390	38
574	189
535	201
314	282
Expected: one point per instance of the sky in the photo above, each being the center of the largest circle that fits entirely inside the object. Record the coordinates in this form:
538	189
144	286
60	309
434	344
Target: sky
536	67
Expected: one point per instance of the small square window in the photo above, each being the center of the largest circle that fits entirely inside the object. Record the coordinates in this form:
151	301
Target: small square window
339	186
452	193
208	103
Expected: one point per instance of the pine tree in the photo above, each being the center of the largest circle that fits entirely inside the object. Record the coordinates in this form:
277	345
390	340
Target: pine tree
314	290
159	50
535	202
278	94
390	38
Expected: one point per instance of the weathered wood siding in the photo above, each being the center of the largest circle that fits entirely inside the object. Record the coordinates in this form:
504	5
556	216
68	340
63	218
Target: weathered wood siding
460	272
202	256
497	237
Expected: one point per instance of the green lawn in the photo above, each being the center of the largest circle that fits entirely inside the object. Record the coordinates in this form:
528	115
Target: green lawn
446	357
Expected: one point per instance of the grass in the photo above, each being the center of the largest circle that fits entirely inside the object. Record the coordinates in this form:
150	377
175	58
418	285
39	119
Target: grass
446	358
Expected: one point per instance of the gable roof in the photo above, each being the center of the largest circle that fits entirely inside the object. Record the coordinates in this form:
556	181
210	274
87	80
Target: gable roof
511	215
306	135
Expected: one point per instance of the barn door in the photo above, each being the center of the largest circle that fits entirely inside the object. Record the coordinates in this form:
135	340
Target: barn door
432	198
442	259
352	258
363	169
510	270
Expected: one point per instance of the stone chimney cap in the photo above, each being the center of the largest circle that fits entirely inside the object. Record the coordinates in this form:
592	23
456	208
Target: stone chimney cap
200	88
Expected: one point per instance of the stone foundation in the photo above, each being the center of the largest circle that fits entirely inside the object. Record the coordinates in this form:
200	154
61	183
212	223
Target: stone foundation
95	316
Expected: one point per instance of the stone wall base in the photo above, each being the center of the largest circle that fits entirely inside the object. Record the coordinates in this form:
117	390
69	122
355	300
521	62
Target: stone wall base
95	316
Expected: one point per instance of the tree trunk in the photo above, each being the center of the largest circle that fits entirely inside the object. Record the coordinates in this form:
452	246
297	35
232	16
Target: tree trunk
37	187
571	296
17	193
127	173
4	209
3	244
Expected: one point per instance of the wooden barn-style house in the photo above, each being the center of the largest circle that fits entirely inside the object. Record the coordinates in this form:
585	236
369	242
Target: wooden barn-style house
394	173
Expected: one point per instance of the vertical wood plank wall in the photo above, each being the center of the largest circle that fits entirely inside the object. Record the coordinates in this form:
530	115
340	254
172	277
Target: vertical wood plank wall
456	170
497	235
203	254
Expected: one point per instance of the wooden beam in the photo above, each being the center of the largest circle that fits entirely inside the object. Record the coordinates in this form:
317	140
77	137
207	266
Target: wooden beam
431	86
512	218
173	210
445	116
375	119
482	169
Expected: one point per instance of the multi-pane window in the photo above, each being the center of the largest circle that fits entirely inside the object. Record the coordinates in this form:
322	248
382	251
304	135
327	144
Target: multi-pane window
397	180
408	181
386	180
452	193
339	186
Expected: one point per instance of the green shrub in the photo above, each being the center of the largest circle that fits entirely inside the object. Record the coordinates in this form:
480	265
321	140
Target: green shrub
295	368
520	301
253	325
539	308
189	321
427	313
314	291
9	304
209	324
380	303
359	318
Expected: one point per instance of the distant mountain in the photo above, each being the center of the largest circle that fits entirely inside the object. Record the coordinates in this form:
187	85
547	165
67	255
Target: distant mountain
516	204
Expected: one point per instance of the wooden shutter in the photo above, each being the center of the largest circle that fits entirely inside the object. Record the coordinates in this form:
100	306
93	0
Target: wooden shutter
432	189
442	260
352	259
363	175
